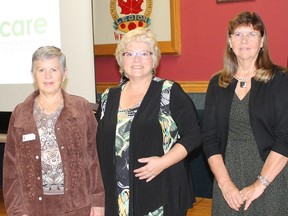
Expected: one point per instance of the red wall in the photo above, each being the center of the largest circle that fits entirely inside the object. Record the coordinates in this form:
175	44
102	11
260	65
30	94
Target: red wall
203	34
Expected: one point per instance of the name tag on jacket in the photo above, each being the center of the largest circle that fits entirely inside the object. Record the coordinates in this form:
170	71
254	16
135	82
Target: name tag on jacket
28	137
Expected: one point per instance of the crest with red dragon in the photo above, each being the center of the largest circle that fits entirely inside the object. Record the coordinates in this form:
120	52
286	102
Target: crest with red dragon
129	14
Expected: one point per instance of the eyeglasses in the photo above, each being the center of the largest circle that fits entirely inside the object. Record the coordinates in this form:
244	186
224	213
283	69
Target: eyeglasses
142	54
250	36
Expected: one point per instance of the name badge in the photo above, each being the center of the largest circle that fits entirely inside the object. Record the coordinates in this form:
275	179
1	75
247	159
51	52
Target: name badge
28	137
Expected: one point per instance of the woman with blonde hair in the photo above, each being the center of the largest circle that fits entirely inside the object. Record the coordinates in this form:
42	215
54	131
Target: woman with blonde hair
147	126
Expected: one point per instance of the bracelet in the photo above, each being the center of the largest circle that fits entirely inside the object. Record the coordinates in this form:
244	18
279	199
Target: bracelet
263	180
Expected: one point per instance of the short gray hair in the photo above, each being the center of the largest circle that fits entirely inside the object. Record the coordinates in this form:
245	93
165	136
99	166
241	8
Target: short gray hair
48	52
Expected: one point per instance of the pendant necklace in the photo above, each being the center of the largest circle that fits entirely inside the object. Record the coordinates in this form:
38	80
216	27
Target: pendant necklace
242	81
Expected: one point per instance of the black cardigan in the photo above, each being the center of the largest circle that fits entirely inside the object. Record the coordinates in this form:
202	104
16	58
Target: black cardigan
173	186
268	112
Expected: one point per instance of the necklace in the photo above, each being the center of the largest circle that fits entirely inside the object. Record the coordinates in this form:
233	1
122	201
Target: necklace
44	108
242	81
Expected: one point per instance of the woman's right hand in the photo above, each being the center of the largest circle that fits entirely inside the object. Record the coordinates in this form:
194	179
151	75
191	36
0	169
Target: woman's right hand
231	194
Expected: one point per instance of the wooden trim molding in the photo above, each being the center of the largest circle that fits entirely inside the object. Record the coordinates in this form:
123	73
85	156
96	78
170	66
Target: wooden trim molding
188	87
3	138
195	86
